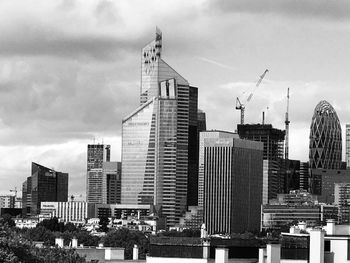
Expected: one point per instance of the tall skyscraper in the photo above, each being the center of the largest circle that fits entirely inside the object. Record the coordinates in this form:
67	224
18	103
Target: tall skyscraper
44	185
232	185
157	135
96	155
273	140
325	138
347	146
202	137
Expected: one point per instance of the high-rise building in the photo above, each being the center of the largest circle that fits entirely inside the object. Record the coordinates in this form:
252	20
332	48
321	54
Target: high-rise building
325	138
272	138
214	134
304	176
97	154
111	183
44	185
156	137
232	185
347	146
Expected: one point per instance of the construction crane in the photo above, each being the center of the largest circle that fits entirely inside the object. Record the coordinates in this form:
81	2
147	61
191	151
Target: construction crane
240	106
287	129
15	191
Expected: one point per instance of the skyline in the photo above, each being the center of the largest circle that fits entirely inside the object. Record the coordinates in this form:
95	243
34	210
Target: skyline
61	86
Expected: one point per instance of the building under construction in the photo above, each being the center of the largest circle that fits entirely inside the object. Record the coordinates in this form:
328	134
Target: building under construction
272	138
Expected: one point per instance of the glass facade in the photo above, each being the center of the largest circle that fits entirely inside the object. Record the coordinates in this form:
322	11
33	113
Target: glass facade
347	146
155	157
325	138
232	185
97	154
44	185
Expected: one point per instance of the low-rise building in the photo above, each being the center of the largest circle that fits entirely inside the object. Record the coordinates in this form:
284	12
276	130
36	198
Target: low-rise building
74	212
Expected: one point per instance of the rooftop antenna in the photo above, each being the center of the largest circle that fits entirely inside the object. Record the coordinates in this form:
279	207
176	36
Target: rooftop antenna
286	153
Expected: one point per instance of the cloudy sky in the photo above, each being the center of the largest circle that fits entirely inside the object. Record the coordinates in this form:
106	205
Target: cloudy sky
70	70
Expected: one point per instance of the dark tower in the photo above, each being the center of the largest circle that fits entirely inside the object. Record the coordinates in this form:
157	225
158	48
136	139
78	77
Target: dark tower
325	138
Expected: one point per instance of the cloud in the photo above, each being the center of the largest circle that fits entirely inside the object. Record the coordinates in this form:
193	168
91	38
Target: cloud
335	10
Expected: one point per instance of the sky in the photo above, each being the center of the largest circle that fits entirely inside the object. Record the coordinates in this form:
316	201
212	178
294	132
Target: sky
70	70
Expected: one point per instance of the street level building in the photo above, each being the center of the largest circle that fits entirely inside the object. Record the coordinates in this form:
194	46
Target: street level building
74	212
232	185
43	185
281	216
156	161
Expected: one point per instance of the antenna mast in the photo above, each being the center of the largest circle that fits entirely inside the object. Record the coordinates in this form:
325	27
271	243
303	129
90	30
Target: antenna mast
287	129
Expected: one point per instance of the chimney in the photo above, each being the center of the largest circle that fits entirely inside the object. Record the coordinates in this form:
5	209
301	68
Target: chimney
221	255
135	253
316	246
330	227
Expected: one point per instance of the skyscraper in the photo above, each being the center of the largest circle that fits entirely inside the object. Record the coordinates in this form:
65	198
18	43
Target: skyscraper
273	140
232	185
96	155
347	146
44	185
157	135
325	138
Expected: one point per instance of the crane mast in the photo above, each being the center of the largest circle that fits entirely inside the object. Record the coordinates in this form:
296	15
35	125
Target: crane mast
240	106
286	153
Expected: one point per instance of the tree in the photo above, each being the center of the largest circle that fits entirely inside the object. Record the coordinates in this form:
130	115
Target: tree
104	221
7	219
52	224
125	238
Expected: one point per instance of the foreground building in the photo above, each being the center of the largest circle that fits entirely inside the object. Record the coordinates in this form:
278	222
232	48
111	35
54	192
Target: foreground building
156	161
43	185
232	185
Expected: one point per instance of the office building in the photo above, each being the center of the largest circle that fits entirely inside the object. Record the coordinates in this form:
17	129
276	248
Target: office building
325	138
74	212
7	201
342	199
111	182
272	138
281	216
214	134
304	176
156	137
322	183
347	145
97	154
232	185
44	185
296	206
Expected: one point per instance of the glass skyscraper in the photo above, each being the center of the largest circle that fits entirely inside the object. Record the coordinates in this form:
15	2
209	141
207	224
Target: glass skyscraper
156	137
44	185
325	138
97	154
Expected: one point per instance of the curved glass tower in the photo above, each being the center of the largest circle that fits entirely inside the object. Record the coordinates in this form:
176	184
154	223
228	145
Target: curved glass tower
325	138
